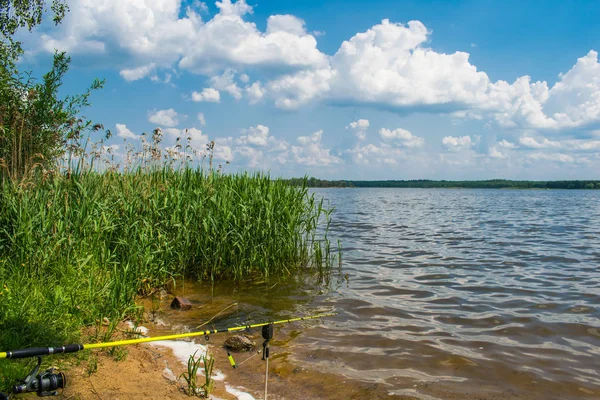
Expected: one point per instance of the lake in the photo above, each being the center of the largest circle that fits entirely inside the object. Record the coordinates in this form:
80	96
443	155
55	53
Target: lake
453	293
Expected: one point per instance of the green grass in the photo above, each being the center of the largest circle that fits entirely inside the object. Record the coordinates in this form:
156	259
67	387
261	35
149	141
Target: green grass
78	247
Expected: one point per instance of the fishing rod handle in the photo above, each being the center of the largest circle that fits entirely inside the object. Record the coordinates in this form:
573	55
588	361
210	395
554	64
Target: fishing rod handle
43	351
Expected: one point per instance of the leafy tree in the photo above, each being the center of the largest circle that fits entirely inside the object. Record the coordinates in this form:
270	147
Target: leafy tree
36	123
15	14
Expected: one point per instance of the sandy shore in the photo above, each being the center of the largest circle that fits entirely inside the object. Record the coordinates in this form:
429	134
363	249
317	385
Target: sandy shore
150	371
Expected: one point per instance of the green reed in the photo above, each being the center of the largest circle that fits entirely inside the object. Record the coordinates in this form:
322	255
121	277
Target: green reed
77	247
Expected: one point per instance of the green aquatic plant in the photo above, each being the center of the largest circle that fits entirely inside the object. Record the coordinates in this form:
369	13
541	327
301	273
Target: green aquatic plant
191	375
209	383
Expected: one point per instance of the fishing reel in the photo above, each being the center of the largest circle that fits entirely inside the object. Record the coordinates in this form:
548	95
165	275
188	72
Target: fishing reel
44	384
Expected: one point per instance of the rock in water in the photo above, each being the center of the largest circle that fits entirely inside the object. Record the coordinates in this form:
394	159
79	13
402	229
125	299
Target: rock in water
239	343
181	303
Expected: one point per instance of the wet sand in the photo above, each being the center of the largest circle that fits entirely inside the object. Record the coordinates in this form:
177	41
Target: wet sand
141	376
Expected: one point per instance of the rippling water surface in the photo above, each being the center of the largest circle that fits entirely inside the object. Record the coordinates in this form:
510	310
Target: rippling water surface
459	293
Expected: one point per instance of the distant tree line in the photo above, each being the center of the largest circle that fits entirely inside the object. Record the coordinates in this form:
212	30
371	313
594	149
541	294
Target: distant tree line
314	182
427	183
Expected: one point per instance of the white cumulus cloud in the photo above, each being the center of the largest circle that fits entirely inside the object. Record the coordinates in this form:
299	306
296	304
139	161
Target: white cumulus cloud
295	90
228	40
371	154
389	66
256	136
134	74
457	144
223	149
255	92
125	133
401	137
225	82
193	133
506	144
254	157
164	117
495	153
208	94
554	157
311	151
543	143
360	128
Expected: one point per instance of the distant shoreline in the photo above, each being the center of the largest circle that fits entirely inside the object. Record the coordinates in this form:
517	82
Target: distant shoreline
443	184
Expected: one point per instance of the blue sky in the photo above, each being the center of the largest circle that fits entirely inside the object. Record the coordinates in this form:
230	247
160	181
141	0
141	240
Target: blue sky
346	89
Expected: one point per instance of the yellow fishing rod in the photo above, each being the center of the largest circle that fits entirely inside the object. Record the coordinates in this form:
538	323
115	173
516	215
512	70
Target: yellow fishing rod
72	348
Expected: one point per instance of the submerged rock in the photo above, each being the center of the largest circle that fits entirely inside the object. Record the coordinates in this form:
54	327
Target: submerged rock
239	343
181	303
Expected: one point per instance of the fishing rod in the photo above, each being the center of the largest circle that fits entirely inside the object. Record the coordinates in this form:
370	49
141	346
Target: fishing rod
45	384
73	348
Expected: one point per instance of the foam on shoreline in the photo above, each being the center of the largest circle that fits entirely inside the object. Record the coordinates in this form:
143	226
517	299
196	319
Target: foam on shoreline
182	350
